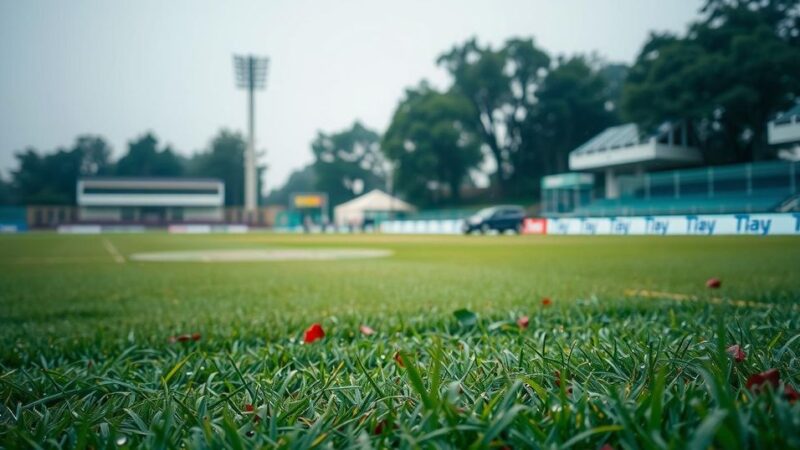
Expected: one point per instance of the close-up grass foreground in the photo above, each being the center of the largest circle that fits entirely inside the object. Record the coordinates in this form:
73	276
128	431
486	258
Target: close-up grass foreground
448	342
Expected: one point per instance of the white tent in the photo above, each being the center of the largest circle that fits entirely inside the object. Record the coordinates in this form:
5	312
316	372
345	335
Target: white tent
372	204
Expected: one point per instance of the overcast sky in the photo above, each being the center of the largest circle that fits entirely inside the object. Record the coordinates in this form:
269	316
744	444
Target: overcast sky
119	69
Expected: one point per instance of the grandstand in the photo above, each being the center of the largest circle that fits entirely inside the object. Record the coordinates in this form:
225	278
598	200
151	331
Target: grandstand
626	150
155	201
636	182
784	131
742	188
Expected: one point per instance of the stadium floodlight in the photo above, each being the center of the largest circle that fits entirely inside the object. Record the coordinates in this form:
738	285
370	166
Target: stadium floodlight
251	74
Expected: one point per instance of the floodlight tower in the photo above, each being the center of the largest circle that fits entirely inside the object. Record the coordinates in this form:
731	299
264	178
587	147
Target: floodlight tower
251	74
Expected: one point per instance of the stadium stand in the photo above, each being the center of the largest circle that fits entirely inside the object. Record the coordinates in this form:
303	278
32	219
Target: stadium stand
627	150
642	175
785	129
742	188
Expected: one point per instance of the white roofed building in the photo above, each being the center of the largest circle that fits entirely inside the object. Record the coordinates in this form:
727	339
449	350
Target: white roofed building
784	133
156	201
624	149
374	205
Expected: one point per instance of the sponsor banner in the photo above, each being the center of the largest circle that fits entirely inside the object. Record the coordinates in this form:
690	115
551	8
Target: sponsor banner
302	200
97	229
124	229
699	225
233	229
422	226
205	229
79	229
12	228
189	229
534	226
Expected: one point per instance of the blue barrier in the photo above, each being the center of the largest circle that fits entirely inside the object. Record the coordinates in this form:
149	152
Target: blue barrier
13	219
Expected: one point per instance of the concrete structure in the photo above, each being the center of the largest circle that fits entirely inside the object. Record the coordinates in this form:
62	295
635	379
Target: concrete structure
566	191
374	205
150	201
624	149
784	133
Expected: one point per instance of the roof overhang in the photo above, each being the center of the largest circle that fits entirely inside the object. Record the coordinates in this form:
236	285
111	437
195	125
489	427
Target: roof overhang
650	154
784	132
571	180
116	192
109	200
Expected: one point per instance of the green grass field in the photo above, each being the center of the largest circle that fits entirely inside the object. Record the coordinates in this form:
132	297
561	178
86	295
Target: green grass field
86	359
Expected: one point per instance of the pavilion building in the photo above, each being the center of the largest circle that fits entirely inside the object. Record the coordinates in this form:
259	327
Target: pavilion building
150	201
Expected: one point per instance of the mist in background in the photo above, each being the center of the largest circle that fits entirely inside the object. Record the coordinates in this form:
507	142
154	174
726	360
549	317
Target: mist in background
122	69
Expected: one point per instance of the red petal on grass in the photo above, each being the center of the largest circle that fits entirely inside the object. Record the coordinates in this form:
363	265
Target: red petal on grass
736	352
546	301
184	338
313	333
713	283
250	409
790	394
757	381
366	331
523	322
607	447
557	374
398	359
379	427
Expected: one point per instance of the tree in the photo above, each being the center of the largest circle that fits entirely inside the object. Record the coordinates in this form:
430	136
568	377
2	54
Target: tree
303	180
737	66
224	159
348	163
432	145
574	103
95	155
51	179
145	159
530	110
6	193
501	86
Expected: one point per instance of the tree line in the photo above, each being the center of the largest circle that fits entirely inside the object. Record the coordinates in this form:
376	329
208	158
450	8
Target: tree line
50	178
510	115
515	112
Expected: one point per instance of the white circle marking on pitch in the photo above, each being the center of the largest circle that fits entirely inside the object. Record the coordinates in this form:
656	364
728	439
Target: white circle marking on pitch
246	255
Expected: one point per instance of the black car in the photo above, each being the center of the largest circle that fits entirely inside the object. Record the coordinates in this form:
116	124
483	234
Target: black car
497	218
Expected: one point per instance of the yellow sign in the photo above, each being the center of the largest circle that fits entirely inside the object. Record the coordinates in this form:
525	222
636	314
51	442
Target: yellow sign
308	201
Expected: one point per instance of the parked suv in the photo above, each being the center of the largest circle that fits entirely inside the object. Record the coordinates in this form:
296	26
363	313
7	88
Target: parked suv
498	218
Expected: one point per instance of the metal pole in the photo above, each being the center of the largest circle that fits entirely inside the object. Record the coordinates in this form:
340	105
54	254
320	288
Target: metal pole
250	201
250	75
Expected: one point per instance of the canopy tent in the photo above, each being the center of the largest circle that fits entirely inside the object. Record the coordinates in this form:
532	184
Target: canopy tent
375	204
